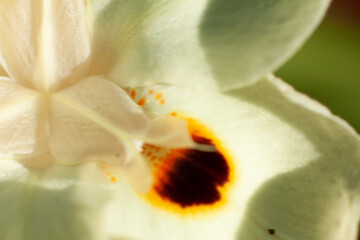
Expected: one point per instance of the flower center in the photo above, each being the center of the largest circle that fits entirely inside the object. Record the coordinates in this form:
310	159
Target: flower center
91	120
189	180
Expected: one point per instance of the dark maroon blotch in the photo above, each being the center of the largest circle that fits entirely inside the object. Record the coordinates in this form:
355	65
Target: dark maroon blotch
195	178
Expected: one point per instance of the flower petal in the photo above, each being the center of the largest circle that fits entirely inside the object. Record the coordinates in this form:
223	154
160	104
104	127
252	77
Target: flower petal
42	41
94	118
22	122
296	171
144	42
97	120
58	203
3	72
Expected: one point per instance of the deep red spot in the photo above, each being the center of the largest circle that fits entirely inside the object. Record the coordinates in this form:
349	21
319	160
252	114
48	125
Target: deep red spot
195	176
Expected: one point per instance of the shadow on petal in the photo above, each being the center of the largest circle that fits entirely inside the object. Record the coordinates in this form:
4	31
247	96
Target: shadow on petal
315	202
304	204
30	212
244	40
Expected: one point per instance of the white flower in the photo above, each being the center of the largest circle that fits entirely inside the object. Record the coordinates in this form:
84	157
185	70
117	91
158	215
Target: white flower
115	124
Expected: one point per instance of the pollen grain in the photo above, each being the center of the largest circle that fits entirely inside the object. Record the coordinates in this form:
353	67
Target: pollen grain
142	102
158	96
133	93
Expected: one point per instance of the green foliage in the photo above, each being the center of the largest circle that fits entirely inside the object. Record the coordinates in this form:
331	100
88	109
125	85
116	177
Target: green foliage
328	69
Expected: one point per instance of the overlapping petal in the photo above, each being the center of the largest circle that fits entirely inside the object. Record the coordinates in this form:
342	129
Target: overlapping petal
296	166
298	170
3	72
58	203
42	41
200	44
23	117
94	118
99	119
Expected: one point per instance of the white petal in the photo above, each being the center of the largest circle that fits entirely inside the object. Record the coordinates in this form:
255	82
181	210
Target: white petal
58	203
170	132
89	120
296	170
42	41
96	118
3	72
23	128
186	43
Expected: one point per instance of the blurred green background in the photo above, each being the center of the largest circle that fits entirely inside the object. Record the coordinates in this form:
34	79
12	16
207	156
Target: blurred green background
327	68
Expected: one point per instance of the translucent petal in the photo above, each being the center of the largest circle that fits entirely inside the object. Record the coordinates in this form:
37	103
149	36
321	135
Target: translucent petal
170	132
42	41
58	203
297	170
137	173
97	119
141	42
23	128
2	72
89	120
